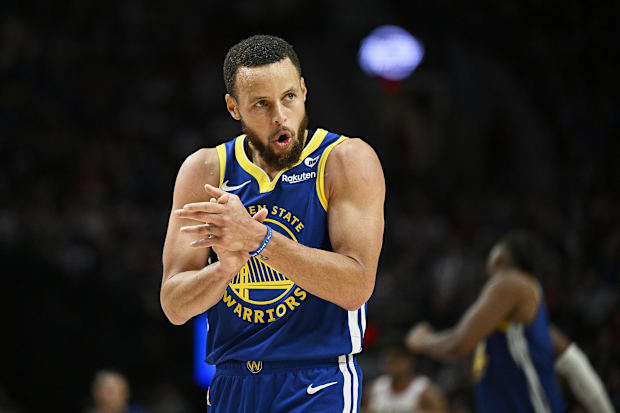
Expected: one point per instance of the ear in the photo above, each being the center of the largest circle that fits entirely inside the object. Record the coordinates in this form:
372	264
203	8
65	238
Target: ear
502	260
304	90
233	108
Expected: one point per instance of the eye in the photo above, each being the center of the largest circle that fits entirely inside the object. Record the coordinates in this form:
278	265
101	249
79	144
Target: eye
290	96
261	104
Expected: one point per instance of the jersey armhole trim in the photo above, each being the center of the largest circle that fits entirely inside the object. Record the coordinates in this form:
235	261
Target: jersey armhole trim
221	154
320	180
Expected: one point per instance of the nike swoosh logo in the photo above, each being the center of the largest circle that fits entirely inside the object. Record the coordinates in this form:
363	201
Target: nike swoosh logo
312	390
310	162
227	188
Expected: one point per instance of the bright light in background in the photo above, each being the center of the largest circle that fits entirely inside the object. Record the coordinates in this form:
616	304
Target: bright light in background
203	372
390	52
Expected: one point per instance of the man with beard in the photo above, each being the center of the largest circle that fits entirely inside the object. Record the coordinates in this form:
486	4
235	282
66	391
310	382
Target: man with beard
294	218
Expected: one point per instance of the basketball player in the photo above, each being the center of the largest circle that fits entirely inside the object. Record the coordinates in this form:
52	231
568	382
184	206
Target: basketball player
514	358
402	391
295	219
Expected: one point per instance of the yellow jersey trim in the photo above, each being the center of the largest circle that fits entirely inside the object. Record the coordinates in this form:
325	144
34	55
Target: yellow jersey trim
265	184
503	326
320	180
221	153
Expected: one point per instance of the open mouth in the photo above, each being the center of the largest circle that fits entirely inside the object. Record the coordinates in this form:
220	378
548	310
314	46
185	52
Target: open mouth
283	139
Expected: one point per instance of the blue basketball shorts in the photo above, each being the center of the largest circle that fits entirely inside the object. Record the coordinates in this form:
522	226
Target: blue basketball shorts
330	386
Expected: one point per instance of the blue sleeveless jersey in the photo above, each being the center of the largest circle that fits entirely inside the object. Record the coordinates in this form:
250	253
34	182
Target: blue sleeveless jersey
514	368
263	315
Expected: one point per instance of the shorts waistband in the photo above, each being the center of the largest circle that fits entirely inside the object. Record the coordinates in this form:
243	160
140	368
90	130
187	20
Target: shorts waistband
256	367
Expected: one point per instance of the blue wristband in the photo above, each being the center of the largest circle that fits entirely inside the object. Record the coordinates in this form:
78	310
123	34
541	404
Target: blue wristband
263	244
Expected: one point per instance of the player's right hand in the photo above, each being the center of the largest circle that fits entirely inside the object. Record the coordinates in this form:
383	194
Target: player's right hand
417	336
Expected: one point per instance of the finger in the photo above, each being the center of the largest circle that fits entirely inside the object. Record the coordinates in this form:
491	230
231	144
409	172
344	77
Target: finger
204	242
210	207
204	229
202	217
260	215
213	191
224	199
213	200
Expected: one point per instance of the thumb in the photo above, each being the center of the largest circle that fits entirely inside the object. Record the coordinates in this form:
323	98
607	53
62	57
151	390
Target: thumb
213	191
260	215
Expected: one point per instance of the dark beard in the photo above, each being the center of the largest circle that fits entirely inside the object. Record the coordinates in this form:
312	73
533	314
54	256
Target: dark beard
275	161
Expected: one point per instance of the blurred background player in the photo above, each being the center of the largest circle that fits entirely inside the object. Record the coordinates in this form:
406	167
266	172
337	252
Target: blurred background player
401	390
111	393
515	351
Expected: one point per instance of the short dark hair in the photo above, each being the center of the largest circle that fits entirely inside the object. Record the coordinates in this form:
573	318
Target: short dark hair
258	50
524	249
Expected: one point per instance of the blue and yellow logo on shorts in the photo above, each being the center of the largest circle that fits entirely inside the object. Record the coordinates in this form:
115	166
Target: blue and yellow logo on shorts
254	366
270	294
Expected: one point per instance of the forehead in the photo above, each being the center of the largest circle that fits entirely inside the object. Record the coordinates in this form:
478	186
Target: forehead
111	380
266	80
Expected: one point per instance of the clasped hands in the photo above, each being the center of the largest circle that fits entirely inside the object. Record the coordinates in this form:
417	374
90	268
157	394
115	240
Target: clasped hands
224	225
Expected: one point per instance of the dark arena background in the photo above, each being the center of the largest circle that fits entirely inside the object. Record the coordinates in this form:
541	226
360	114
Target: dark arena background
510	119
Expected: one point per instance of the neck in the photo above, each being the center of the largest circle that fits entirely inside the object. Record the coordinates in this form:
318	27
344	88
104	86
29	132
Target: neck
399	383
269	170
110	409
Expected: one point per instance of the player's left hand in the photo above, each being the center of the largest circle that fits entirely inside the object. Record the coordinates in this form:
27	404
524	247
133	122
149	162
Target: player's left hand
416	337
226	223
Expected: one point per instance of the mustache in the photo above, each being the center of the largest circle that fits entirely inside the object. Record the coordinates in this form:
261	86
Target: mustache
280	130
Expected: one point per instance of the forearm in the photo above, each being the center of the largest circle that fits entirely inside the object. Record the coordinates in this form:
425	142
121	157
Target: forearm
443	345
190	293
331	276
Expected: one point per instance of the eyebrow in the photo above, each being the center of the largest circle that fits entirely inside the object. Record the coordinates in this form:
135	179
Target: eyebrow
289	90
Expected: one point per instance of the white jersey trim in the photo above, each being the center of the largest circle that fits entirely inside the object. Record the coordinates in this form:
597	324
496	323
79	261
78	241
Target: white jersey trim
354	331
517	345
346	387
355	383
363	310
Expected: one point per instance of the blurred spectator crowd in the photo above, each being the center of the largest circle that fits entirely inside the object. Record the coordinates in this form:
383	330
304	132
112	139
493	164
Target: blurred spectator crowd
510	121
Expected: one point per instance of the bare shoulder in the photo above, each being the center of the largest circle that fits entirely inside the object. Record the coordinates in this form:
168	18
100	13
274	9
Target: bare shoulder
203	163
516	286
354	163
512	281
353	152
200	168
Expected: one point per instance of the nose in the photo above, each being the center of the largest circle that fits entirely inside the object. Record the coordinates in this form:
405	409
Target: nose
279	118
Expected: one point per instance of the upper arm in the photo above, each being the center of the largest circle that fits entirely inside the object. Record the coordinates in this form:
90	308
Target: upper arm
355	190
200	168
499	300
